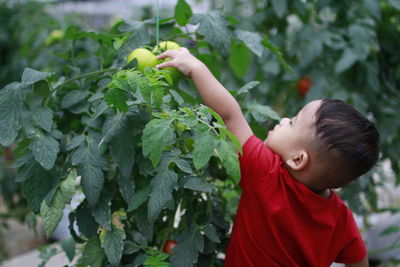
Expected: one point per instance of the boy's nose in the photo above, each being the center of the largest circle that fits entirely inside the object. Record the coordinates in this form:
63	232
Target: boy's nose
284	121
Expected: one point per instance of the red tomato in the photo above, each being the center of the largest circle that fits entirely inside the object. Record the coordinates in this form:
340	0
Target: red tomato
303	85
169	245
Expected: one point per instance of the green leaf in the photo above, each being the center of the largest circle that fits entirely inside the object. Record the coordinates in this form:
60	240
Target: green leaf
113	241
37	183
183	165
198	184
90	167
280	7
252	40
211	233
31	76
162	186
73	97
75	142
262	112
45	149
390	230
229	157
203	150
126	185
156	135
87	225
138	199
102	211
117	98
189	244
93	254
11	101
156	258
52	214
347	60
183	12
239	59
215	29
44	118
68	245
247	87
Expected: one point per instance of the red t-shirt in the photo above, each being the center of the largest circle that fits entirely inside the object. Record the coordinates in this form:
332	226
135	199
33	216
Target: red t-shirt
280	222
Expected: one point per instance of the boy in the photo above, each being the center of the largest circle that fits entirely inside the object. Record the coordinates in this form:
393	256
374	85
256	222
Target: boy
288	215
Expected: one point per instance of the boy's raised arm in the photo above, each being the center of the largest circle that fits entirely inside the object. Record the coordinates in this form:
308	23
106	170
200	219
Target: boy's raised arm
212	92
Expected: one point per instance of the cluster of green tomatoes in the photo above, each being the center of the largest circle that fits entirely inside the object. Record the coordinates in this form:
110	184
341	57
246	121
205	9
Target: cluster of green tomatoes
146	58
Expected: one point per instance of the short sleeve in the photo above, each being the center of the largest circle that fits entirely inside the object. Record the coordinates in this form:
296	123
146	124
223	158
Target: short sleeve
354	250
256	161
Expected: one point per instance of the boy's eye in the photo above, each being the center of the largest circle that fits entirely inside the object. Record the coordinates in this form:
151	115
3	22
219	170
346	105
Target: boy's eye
290	122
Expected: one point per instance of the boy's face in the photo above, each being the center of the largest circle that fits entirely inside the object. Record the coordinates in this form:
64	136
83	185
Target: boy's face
293	134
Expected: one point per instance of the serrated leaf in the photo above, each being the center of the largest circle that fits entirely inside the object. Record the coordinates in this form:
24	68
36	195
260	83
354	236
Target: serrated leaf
73	97
117	98
31	76
229	158
90	166
215	29
198	184
93	254
45	149
156	135
113	241
189	244
347	60
239	59
262	112
102	211
52	214
37	182
247	87
75	142
252	40
183	165
211	233
203	150
138	199
11	101
44	118
87	225
162	186
183	12
68	245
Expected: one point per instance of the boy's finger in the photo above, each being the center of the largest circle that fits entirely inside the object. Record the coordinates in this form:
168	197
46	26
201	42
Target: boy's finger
168	53
165	64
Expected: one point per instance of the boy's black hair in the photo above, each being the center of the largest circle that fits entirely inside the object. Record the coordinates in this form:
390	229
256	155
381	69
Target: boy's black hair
348	140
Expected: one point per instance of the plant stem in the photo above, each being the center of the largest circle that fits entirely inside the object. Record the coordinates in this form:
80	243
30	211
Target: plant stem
158	24
84	76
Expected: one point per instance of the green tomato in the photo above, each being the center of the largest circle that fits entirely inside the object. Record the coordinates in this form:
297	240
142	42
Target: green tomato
54	36
169	45
144	57
165	45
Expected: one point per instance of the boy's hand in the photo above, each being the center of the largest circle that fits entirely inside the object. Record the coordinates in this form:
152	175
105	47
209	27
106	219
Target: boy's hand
182	60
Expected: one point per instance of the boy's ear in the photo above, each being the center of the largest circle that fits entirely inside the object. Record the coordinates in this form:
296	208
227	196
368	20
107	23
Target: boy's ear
298	161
